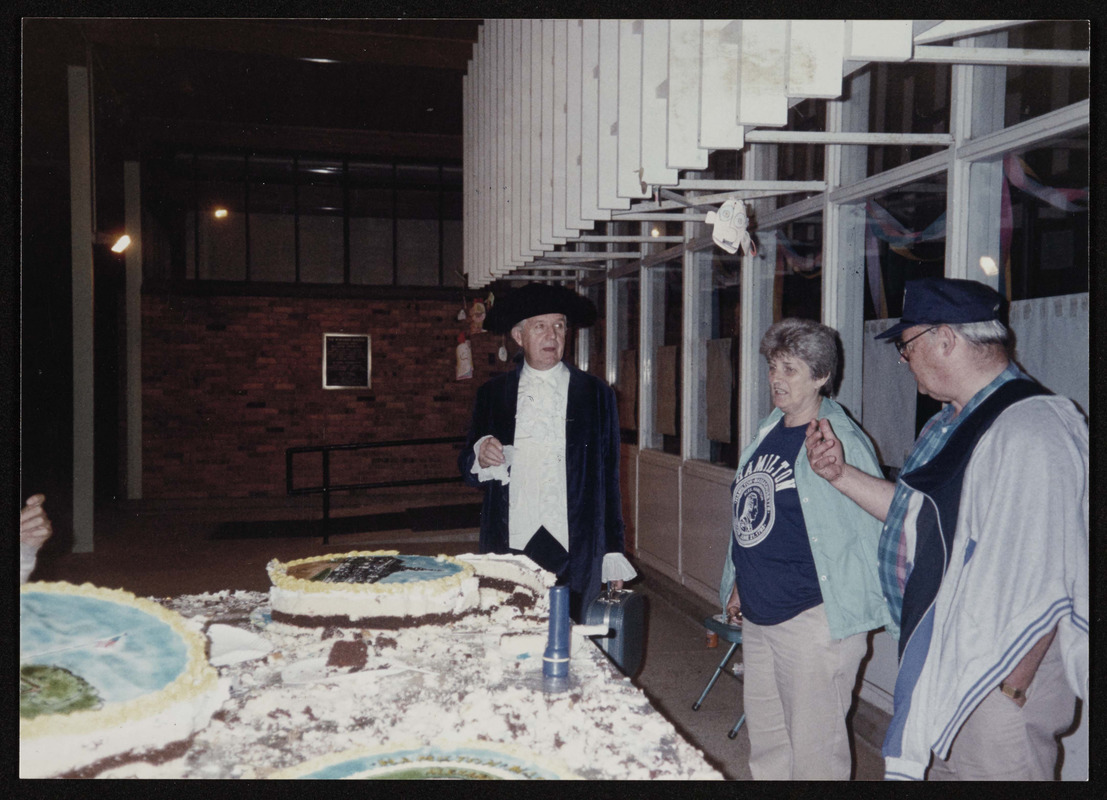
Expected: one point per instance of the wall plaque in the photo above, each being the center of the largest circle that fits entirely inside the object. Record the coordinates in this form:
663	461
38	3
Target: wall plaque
346	361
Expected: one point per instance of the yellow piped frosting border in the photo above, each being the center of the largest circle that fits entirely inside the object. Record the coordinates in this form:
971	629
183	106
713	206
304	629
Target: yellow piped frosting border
279	577
198	677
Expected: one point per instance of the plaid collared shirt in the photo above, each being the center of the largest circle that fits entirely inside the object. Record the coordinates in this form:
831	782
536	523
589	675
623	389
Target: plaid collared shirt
892	548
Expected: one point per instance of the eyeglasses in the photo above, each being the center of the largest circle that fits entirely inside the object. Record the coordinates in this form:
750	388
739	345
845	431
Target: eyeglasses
901	346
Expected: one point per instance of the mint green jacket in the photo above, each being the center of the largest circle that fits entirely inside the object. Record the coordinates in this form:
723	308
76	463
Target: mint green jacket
843	536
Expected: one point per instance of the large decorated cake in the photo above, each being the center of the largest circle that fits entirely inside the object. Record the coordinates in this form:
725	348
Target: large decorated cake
445	683
384	589
476	761
105	676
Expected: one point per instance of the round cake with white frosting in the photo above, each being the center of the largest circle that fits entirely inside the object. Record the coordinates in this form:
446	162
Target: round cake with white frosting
371	589
106	677
475	761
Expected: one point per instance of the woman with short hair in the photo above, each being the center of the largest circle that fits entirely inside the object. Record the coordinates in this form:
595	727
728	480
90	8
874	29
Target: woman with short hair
801	568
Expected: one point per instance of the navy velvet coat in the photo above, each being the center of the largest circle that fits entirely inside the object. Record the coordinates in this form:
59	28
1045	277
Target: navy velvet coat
592	474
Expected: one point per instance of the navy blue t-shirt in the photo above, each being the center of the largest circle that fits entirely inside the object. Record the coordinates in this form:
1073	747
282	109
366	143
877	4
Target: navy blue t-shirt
773	565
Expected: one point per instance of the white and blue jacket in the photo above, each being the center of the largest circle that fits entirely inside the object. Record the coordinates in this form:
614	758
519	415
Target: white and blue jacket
1006	560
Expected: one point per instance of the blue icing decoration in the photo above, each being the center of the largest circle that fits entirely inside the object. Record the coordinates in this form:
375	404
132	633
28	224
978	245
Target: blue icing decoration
429	569
79	634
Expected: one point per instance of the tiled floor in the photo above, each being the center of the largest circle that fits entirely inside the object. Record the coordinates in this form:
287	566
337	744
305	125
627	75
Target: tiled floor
163	549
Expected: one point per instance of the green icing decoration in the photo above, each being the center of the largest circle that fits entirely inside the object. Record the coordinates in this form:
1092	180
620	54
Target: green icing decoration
53	690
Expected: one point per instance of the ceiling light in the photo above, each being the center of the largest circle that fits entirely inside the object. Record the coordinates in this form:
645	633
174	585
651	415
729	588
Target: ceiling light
118	242
655	231
321	60
220	213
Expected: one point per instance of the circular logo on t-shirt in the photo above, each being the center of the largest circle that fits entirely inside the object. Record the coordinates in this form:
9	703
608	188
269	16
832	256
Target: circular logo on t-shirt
753	508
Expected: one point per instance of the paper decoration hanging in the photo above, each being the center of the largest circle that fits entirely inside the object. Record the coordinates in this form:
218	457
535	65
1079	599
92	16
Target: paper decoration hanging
464	358
477	313
729	227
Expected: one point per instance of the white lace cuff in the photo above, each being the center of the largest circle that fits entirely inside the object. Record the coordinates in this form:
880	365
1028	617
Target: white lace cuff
497	473
27	558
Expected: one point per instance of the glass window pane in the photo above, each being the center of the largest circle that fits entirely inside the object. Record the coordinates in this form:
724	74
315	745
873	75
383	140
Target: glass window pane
371	251
905	98
1033	91
453	253
417	209
222	227
371	232
722	356
597	334
1047	246
663	341
626	345
321	250
724	165
802	162
904	240
321	207
417	252
799	270
272	220
168	219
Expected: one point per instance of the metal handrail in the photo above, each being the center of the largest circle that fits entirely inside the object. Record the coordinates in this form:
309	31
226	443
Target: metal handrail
326	488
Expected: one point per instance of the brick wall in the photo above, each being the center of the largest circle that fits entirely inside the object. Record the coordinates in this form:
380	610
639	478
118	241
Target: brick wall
229	382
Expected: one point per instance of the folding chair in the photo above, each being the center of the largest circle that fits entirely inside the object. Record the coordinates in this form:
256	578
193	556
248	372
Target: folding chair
732	634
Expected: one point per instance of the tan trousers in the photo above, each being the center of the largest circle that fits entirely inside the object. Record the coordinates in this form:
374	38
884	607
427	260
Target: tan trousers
798	687
1002	742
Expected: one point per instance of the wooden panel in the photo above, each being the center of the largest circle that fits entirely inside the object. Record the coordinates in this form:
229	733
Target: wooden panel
658	531
655	103
496	141
608	122
511	142
628	488
549	235
479	139
468	212
629	180
816	48
878	40
560	124
705	524
479	73
535	136
683	150
590	121
523	143
763	72
719	86
573	88
506	154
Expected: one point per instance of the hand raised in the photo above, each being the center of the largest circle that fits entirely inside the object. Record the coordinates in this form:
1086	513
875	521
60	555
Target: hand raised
824	450
34	526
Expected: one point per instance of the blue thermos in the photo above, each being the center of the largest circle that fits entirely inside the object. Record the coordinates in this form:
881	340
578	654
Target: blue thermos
555	661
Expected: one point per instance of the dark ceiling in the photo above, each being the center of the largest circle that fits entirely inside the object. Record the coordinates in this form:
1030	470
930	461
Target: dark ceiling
299	84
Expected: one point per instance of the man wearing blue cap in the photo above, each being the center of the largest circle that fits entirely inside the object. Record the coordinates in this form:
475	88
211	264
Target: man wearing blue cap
984	551
544	445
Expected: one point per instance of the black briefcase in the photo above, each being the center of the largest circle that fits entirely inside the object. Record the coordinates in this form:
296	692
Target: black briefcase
623	613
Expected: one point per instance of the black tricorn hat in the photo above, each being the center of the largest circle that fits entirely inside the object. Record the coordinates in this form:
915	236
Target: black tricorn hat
539	298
